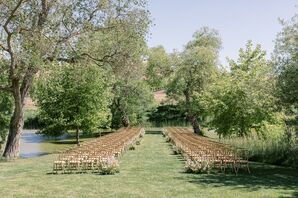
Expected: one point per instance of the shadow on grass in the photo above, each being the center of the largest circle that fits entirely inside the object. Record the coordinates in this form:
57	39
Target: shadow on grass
295	194
64	142
33	154
262	176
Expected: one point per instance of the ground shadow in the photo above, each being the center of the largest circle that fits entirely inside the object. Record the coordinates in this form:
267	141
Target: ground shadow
64	142
33	154
262	176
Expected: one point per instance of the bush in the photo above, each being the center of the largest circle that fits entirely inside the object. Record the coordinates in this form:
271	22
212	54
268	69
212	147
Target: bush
109	166
168	115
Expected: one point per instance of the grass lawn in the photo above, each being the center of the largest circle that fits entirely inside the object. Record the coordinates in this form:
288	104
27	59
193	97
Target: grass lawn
149	171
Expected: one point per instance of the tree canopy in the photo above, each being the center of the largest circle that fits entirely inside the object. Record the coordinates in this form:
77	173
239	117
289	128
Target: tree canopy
74	97
242	99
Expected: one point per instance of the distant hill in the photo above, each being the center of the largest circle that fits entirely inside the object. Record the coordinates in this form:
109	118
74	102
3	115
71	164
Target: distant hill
160	96
30	104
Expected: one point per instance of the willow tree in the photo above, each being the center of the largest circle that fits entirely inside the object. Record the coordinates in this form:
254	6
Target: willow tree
36	32
194	72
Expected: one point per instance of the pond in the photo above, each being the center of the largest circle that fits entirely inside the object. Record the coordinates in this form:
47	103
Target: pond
34	145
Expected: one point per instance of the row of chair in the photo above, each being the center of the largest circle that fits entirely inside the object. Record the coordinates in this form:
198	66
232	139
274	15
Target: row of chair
90	155
199	150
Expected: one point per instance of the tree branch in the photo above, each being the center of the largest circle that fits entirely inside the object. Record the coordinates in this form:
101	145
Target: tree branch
8	39
4	48
11	16
27	81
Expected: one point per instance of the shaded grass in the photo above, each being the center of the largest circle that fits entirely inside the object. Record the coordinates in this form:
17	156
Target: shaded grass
149	171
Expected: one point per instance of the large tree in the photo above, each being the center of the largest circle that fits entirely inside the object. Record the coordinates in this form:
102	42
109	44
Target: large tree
242	100
196	66
74	97
38	31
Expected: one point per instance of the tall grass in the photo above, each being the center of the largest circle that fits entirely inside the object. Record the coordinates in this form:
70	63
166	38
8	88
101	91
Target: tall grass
278	151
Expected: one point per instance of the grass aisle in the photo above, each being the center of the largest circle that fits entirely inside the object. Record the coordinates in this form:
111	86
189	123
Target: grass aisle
149	171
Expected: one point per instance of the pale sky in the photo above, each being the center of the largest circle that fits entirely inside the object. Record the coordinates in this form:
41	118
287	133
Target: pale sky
236	20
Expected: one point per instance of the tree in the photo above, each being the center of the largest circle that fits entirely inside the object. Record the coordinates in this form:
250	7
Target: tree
57	26
74	97
286	63
131	95
242	100
194	73
158	68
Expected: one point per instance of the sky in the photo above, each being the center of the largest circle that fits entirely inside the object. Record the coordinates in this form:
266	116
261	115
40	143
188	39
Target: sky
237	21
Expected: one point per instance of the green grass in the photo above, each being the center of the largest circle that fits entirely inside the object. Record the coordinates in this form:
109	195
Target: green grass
149	171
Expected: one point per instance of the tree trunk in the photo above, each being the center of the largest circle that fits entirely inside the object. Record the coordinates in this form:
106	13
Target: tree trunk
195	124
78	136
191	117
125	121
12	148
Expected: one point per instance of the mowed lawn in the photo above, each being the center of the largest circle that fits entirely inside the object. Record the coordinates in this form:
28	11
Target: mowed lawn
152	170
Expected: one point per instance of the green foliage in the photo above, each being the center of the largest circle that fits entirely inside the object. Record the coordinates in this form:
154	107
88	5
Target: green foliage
286	63
120	51
167	113
132	100
242	100
196	65
5	114
159	67
6	107
74	97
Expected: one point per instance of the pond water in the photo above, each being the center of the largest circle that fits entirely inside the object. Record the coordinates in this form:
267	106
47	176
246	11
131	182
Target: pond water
32	143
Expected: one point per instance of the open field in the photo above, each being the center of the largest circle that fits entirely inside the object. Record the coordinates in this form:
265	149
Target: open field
149	171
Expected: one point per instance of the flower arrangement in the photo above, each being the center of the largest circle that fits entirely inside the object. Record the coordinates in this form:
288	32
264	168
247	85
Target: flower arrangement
109	165
202	166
